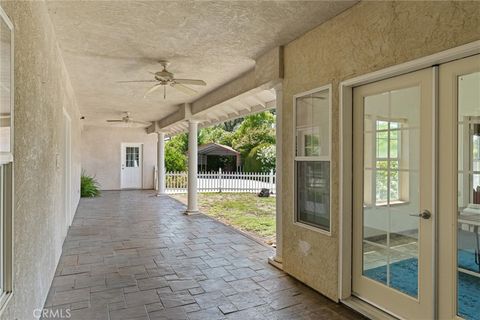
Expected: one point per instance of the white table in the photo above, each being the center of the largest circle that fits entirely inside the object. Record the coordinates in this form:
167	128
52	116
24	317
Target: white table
472	220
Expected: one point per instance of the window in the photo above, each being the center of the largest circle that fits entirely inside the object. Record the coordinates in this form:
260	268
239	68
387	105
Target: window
387	158
132	157
475	166
469	161
312	159
389	165
6	157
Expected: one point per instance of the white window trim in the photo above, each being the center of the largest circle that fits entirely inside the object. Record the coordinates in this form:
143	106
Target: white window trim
5	159
314	158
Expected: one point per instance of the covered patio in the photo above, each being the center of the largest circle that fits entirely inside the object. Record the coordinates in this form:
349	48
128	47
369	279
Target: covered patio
377	110
131	255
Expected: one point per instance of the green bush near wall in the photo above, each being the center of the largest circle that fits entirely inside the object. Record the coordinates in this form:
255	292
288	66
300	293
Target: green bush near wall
89	187
261	158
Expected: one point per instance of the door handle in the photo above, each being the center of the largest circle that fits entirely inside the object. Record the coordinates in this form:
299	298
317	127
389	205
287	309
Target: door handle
425	214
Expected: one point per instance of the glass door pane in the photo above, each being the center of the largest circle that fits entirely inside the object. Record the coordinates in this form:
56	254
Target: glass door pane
392	196
5	88
468	234
132	157
391	188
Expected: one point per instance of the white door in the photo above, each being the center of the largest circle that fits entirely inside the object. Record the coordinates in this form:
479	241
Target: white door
393	195
459	189
132	165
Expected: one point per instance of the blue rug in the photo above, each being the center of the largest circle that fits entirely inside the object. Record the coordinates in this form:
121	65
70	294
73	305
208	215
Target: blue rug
468	296
403	277
466	260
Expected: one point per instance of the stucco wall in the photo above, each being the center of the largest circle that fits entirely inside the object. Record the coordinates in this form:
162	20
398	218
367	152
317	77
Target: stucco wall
368	37
101	154
42	90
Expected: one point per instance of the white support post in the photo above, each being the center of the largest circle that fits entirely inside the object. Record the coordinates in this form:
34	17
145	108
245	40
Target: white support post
277	259
192	207
161	164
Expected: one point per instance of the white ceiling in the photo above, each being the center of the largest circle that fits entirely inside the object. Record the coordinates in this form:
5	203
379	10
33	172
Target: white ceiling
104	42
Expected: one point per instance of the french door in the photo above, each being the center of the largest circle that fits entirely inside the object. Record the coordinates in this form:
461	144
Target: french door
416	208
459	189
132	166
393	196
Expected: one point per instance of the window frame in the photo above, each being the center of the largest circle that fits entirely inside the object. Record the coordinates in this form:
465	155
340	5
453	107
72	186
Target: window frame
7	194
403	183
328	159
388	159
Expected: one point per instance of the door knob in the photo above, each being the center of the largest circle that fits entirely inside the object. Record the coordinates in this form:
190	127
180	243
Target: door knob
425	214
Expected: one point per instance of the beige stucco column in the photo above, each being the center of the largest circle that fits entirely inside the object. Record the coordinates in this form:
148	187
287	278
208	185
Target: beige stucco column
277	259
192	207
161	164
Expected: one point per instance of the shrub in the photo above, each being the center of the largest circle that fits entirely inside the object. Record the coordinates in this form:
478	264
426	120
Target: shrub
88	186
267	156
175	160
260	159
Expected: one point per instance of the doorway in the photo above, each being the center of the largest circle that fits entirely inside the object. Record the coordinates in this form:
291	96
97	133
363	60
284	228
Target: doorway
459	188
132	166
392	198
397	187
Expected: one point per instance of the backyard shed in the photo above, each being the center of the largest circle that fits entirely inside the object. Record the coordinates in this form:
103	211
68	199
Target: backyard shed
217	150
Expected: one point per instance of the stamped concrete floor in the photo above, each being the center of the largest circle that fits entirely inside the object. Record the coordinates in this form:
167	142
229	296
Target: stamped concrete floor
130	255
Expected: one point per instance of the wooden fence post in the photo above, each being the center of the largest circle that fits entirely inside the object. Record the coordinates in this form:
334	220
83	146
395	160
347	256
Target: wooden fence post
219	179
270	181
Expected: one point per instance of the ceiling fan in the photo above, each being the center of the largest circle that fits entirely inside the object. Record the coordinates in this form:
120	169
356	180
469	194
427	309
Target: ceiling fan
127	121
164	78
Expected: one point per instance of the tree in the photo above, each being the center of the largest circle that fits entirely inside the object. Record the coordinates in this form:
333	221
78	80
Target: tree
175	149
262	119
215	134
231	125
256	129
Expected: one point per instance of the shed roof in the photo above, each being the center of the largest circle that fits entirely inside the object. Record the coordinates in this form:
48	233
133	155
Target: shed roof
216	149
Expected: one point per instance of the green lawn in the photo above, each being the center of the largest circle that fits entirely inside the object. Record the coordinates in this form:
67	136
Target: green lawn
244	211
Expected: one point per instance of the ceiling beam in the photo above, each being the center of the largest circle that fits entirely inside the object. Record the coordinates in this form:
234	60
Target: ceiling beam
267	73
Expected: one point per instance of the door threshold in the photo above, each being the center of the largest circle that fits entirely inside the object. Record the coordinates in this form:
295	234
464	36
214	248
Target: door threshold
367	309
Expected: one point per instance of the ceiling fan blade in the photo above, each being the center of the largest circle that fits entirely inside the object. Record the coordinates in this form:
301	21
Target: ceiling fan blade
114	120
129	81
155	87
191	82
184	89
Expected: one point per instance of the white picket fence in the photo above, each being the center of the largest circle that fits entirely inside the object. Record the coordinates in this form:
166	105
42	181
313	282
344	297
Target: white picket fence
243	182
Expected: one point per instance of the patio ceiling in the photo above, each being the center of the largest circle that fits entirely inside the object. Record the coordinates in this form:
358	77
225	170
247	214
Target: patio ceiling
217	41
